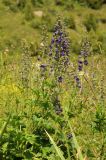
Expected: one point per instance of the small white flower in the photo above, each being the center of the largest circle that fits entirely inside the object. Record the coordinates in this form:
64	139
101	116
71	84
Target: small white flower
42	44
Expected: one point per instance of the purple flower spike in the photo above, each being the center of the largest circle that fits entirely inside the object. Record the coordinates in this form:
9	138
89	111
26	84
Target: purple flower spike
60	51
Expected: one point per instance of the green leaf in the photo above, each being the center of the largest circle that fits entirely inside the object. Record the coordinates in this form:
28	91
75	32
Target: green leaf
4	127
59	152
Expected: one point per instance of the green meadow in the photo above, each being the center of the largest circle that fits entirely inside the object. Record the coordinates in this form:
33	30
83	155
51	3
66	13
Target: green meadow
52	80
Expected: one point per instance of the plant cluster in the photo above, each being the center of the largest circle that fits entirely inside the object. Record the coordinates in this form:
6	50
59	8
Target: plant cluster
53	117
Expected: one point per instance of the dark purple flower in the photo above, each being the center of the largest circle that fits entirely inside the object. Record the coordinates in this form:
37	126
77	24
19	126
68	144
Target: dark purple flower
85	62
62	53
66	62
78	83
50	46
60	79
59	40
52	41
77	79
80	62
83	55
39	58
59	111
69	135
56	32
43	67
80	67
50	53
57	51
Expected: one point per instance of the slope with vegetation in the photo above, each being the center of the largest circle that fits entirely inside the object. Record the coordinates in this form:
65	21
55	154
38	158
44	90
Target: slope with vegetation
52	80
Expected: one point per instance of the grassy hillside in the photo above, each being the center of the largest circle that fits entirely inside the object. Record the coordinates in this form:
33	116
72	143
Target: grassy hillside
52	80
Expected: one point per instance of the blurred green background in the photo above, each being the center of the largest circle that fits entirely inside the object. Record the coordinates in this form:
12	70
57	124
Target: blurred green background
24	19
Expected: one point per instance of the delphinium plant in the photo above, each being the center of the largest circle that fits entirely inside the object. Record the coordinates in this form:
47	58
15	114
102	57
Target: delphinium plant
59	60
82	62
57	66
54	62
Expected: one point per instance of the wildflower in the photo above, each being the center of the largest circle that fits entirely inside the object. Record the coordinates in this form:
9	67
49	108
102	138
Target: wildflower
57	106
82	60
59	51
69	135
60	79
78	83
43	66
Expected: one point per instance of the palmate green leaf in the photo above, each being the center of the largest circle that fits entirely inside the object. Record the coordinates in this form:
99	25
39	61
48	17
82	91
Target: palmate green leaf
59	152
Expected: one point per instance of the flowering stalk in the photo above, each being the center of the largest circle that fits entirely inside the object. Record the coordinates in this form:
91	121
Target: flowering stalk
59	52
82	61
58	61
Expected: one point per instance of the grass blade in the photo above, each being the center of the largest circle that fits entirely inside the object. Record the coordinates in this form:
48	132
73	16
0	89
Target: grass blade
80	156
55	146
4	127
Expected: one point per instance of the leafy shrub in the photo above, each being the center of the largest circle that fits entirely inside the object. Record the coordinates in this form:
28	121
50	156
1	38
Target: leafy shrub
28	11
36	23
48	21
95	4
7	2
102	39
37	2
13	8
69	6
59	2
75	47
91	22
69	22
95	42
21	4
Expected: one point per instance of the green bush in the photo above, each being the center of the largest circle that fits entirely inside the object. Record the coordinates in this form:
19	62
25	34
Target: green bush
28	11
95	4
102	39
13	8
95	42
37	2
75	47
59	2
70	23
48	21
36	23
91	22
7	2
21	3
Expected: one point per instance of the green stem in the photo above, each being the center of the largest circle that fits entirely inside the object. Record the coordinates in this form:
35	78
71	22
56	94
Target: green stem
4	127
